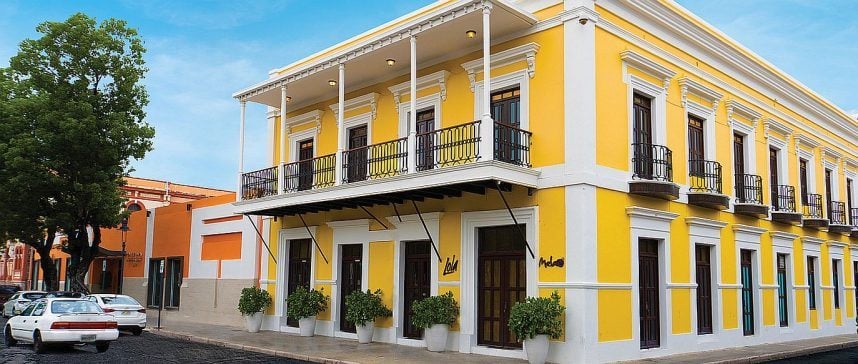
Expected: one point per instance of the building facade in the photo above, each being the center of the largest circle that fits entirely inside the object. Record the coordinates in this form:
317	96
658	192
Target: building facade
678	191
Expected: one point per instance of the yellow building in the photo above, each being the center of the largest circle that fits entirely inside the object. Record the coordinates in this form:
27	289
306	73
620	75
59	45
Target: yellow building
680	192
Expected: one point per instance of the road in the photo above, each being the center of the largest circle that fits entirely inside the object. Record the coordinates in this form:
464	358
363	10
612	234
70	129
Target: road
148	347
832	357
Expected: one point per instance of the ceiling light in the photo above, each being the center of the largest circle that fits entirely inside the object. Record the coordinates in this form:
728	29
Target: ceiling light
471	33
391	61
288	98
332	83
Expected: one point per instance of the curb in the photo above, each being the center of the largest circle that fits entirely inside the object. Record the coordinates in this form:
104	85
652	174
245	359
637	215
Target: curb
231	345
790	354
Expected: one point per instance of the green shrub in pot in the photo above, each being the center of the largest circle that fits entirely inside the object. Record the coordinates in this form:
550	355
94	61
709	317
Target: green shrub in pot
363	307
305	303
435	310
253	300
537	316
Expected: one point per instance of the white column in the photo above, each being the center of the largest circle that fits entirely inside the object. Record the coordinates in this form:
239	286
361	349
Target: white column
281	170
487	125
241	149
338	172
412	118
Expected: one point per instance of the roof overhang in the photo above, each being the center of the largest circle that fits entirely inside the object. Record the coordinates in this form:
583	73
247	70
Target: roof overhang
440	29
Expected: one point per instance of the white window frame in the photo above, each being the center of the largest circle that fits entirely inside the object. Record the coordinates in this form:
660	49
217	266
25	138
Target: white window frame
812	249
811	169
423	103
658	112
748	238
835	179
284	239
749	141
707	232
708	116
782	243
355	121
518	78
783	167
297	137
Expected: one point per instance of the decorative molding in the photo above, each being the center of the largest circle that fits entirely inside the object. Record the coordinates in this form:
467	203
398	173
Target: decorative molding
653	68
838	243
687	85
851	162
735	107
526	52
752	230
772	124
804	139
828	151
708	223
307	117
434	79
370	99
783	235
654	214
812	240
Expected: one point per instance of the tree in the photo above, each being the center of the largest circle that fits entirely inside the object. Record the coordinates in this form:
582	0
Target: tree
71	120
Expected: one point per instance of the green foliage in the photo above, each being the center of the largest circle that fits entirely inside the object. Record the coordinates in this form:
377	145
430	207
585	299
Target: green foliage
362	307
537	316
305	303
434	310
71	120
253	300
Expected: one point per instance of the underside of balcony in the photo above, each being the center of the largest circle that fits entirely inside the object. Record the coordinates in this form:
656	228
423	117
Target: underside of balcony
786	217
437	183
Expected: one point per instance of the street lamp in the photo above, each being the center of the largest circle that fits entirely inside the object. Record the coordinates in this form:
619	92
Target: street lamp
124	229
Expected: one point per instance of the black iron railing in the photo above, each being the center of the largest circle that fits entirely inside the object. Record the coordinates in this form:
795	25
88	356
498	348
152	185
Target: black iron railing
749	189
374	161
310	173
706	177
454	145
259	183
837	213
813	206
853	217
652	162
512	145
783	198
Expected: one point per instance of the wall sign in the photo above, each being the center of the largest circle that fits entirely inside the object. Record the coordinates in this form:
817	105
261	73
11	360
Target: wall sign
551	262
451	266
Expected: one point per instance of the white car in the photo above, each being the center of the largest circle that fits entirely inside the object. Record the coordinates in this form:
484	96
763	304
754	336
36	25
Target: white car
61	321
19	301
129	314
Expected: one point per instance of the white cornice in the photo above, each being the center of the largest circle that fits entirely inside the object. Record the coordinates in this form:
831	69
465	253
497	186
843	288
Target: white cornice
838	243
687	85
783	235
707	223
804	139
654	214
772	124
828	151
851	162
310	116
735	107
752	230
370	99
525	52
812	240
434	79
653	68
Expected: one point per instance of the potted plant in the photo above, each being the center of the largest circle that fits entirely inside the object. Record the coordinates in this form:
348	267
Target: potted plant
434	315
533	321
303	305
251	304
362	308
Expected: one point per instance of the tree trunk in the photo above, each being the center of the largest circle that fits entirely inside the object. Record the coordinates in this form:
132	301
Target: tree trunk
50	276
81	255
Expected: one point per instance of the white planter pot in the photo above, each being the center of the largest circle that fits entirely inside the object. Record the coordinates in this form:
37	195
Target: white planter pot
307	326
436	337
364	332
536	349
253	322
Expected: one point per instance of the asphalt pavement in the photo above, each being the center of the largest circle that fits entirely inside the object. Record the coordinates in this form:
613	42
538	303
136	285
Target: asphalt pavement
147	348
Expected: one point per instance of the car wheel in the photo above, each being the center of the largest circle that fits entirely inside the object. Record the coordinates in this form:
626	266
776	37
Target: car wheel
38	345
102	346
9	340
137	331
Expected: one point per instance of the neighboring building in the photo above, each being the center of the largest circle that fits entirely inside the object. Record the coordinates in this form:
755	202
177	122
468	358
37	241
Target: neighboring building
15	264
680	192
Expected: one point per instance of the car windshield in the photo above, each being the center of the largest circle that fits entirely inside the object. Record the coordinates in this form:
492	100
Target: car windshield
33	296
74	307
119	300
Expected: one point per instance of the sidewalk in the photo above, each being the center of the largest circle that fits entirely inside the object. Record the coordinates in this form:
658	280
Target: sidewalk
319	349
760	353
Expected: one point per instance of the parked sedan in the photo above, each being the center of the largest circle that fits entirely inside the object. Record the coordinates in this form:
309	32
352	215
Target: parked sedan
6	291
64	294
61	321
129	314
19	301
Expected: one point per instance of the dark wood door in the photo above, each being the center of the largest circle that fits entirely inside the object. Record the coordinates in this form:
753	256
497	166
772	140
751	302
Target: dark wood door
747	292
828	191
835	278
802	179
773	177
648	284
643	136
849	203
811	282
855	279
696	149
156	282
305	166
502	282
357	154
783	304
298	274
416	284
739	166
425	139
506	111
351	274
704	289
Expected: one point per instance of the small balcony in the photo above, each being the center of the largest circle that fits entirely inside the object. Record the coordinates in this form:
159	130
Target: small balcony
749	196
837	218
853	220
443	162
705	185
784	206
653	172
813	211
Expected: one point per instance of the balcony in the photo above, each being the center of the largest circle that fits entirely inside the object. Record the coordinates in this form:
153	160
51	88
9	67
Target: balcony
813	211
783	205
705	185
447	162
749	196
853	219
837	218
653	172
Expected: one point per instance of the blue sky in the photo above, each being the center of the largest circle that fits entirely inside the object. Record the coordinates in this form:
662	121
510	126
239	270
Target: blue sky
200	52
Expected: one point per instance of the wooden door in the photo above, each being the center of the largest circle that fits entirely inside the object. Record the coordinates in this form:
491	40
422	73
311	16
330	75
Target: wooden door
156	282
643	136
773	178
425	139
849	203
506	110
747	292
828	192
305	166
298	274
811	282
416	284
739	167
351	274
502	282
648	285
357	154
704	289
802	179
696	150
783	304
